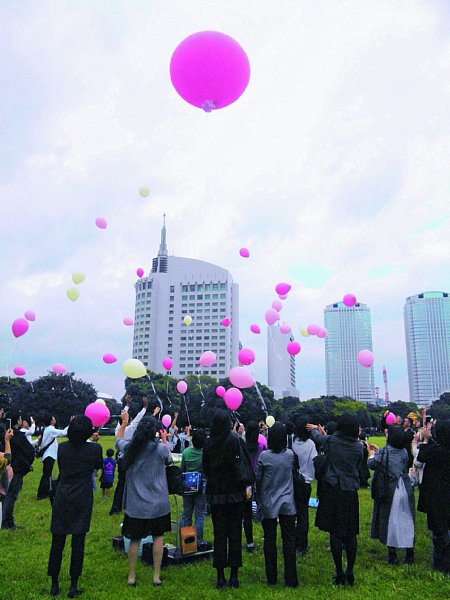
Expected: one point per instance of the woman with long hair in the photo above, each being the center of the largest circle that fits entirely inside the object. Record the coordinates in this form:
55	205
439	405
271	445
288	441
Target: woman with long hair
254	449
146	495
338	511
225	496
393	519
73	502
275	489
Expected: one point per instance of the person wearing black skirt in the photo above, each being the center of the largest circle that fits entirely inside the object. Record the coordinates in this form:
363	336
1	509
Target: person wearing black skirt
338	511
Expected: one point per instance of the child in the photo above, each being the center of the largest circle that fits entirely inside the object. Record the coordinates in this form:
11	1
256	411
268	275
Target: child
107	478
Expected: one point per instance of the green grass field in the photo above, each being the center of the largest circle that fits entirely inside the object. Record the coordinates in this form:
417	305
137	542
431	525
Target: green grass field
24	555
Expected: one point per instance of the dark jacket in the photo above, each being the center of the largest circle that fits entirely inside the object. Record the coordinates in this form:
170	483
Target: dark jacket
22	453
434	497
345	456
220	471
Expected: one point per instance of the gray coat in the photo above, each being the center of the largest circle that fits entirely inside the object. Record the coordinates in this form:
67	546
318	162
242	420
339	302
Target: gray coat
274	484
398	460
146	495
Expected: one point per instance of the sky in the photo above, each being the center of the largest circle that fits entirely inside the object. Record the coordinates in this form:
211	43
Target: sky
331	168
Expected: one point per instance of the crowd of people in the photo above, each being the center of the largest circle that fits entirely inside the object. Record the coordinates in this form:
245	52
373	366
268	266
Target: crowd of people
280	463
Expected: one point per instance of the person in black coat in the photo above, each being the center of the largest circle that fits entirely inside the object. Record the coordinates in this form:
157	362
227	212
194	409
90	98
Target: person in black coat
22	457
435	492
72	506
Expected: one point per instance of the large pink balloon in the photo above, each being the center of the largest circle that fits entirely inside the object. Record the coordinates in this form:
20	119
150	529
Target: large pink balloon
226	322
246	356
209	70
101	222
19	327
284	328
349	300
207	359
19	371
365	358
241	378
244	252
233	398
283	288
128	321
98	413
59	369
182	387
255	328
277	305
29	315
140	272
262	440
166	420
109	358
390	418
322	333
220	391
313	329
293	348
167	363
271	316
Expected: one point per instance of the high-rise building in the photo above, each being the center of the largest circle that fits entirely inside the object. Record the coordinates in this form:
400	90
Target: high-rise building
177	288
280	364
349	331
427	333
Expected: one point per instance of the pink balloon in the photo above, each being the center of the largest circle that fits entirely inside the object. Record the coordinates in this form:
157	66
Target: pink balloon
101	222
167	363
277	305
140	272
182	387
220	391
30	316
284	328
283	288
262	440
312	329
271	316
207	359
241	378
19	371
390	418
244	252
255	328
293	348
226	322
109	359
98	413
209	70
282	296
349	300
365	358
128	321
322	333
59	369
166	420
19	327
246	356
233	398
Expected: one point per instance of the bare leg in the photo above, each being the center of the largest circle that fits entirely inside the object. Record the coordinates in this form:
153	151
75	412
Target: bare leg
158	548
133	552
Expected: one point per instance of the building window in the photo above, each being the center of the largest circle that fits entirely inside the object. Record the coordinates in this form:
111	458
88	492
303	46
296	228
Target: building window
223	286
172	298
185	288
207	286
172	289
192	288
215	286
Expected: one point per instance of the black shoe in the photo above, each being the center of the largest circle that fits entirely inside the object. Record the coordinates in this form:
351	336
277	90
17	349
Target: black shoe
75	592
233	582
349	578
12	527
221	583
339	579
114	511
55	590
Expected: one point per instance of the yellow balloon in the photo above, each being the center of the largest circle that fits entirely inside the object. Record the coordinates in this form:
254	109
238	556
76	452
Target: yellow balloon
187	320
72	293
144	192
304	332
100	401
133	368
78	277
270	421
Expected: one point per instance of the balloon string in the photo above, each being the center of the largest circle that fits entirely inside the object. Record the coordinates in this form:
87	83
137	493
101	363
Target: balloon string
187	412
154	391
167	392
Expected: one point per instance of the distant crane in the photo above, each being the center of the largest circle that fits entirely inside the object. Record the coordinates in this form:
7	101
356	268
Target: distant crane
386	393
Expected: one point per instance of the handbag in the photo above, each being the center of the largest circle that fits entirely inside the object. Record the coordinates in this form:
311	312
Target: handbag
5	480
321	462
243	467
39	451
380	480
174	479
301	488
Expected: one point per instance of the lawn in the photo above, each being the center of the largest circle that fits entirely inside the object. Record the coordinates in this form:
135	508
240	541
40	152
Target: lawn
24	555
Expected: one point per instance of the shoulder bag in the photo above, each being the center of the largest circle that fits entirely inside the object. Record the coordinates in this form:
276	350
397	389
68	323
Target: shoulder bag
380	480
321	462
174	479
301	489
243	467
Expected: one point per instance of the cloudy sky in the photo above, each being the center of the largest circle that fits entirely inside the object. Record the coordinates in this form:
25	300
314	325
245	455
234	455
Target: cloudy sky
332	168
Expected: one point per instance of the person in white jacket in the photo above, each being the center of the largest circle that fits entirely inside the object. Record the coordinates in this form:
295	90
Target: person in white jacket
50	444
29	430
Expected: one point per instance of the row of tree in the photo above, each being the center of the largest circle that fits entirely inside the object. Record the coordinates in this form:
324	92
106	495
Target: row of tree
64	395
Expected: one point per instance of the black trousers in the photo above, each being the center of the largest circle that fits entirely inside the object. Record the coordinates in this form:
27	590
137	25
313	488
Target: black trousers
287	525
76	557
248	521
10	500
227	525
120	486
302	525
44	484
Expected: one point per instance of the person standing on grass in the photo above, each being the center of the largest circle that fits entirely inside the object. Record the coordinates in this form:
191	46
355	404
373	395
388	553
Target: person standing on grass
107	476
5	459
225	496
254	449
50	443
146	495
73	502
276	503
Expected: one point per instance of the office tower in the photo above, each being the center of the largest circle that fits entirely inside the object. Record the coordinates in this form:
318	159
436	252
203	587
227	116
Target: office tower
427	333
280	364
349	331
180	287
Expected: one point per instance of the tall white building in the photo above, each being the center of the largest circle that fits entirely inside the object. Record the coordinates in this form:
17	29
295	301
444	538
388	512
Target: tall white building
176	288
427	333
349	331
280	364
